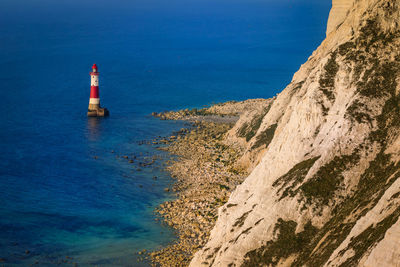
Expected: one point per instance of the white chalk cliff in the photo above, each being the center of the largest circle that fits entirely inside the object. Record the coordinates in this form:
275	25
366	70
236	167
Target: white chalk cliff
326	187
338	14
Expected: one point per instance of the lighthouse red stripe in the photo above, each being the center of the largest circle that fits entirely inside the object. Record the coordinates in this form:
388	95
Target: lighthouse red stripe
94	92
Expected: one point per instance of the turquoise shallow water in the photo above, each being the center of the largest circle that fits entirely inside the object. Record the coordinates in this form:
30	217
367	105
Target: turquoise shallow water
64	193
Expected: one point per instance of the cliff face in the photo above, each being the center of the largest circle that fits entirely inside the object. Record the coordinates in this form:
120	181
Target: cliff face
338	14
326	189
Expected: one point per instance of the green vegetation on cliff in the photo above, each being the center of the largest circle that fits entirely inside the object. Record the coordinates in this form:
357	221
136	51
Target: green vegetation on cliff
375	76
286	244
249	130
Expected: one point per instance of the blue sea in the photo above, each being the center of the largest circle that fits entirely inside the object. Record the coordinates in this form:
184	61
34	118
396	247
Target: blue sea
67	194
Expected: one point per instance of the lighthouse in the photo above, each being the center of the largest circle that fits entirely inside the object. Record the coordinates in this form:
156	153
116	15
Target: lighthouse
94	109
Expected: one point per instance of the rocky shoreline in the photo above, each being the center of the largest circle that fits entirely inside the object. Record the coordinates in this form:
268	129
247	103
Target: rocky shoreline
205	173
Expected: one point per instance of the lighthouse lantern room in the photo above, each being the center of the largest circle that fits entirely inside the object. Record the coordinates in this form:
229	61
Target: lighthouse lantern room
94	109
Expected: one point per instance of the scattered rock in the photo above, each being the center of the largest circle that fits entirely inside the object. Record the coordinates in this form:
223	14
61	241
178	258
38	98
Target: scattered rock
198	179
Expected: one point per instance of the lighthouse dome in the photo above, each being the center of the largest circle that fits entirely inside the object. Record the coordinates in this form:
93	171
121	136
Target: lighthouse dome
95	67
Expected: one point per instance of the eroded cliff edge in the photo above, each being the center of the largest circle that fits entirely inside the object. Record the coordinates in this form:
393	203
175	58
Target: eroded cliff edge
325	189
338	14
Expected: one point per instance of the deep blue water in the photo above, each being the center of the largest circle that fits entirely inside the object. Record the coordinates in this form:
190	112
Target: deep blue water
65	190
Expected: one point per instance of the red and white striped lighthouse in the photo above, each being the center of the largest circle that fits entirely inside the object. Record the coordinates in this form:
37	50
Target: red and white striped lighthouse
94	102
94	109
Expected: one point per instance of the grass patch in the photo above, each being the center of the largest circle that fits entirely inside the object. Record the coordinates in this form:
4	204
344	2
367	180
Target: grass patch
240	221
294	177
376	179
249	130
328	179
265	137
286	244
370	236
358	112
379	80
327	80
373	184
